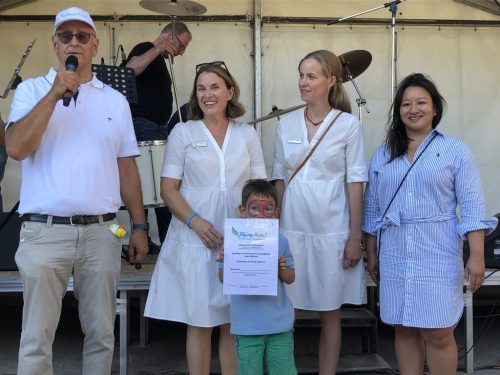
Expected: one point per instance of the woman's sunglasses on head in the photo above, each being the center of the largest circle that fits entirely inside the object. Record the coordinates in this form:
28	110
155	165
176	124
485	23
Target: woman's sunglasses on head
203	66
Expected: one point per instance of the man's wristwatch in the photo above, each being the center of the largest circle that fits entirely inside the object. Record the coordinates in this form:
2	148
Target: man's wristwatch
143	227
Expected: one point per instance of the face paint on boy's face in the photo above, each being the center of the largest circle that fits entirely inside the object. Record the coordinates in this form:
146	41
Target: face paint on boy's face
261	208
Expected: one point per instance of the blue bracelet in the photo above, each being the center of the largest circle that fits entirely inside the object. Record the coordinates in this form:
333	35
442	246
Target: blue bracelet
190	217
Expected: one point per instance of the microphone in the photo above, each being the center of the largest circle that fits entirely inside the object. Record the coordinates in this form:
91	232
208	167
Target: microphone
71	64
124	57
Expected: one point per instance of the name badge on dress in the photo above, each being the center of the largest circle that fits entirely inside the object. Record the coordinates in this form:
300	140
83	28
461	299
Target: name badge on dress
199	144
295	141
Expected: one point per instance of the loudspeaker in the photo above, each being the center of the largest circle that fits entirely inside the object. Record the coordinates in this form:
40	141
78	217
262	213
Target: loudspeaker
9	241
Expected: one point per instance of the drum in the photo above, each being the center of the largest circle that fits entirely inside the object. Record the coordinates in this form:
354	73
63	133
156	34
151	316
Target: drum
149	165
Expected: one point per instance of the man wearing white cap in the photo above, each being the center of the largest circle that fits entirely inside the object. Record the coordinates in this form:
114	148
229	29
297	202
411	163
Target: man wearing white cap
76	140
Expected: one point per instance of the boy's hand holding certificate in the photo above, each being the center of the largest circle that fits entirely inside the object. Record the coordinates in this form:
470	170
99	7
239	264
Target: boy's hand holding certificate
251	256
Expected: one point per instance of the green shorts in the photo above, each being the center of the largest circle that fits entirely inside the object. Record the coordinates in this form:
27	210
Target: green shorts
275	350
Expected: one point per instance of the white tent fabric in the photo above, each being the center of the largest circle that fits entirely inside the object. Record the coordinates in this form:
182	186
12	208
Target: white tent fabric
462	60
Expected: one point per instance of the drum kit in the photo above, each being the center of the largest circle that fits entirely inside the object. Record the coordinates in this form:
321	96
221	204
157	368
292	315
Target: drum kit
149	164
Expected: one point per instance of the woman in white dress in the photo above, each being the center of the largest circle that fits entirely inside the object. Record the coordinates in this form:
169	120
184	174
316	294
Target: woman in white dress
207	161
322	204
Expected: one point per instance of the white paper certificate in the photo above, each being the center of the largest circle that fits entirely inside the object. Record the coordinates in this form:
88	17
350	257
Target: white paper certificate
251	256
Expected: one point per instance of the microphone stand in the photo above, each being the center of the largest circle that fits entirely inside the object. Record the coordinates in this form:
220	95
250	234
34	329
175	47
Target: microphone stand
16	79
393	7
119	50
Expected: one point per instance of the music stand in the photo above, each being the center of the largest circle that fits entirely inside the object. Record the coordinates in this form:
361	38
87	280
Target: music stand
120	78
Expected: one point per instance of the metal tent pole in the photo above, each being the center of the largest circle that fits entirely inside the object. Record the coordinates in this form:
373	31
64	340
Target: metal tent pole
257	58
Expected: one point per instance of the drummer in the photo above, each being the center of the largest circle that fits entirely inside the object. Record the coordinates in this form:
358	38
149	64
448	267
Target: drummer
154	91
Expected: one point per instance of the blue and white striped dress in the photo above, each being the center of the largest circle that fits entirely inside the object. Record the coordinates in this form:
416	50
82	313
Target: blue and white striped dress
421	265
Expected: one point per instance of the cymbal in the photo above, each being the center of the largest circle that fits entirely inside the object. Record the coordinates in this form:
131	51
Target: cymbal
275	113
354	62
174	7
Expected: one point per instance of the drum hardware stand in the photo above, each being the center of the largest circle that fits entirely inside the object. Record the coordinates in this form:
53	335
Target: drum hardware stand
114	58
361	100
393	7
155	194
170	60
16	79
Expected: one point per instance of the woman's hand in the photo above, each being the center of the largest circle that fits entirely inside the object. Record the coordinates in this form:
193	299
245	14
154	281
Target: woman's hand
207	233
474	272
372	257
474	269
352	252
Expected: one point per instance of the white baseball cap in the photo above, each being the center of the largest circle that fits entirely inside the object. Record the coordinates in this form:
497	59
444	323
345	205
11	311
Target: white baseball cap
73	14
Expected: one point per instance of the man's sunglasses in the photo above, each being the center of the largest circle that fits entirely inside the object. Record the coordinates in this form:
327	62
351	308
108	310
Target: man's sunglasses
203	66
66	37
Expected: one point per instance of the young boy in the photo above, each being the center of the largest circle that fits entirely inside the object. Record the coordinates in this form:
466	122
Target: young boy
263	324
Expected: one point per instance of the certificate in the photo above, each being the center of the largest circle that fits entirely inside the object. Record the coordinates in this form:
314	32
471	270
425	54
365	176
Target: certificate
251	256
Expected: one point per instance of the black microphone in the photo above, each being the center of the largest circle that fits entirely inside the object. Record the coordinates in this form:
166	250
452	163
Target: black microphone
124	57
71	64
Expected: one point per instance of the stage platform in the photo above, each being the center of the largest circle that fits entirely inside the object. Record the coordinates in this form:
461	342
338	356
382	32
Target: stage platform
135	283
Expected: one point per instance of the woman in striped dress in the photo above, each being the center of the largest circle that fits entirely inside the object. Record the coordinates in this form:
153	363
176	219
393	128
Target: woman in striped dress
420	235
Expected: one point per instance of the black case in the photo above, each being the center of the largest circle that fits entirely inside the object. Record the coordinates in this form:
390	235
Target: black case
9	241
491	248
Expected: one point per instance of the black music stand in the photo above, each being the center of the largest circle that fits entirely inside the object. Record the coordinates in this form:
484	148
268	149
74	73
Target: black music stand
120	78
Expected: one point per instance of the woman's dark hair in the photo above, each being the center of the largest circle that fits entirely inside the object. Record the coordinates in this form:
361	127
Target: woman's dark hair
234	108
259	187
397	140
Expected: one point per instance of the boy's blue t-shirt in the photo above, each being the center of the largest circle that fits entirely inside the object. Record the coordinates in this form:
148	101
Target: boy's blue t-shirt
263	315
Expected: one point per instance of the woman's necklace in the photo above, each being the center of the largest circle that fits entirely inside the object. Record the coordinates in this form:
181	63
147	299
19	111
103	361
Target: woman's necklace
311	121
